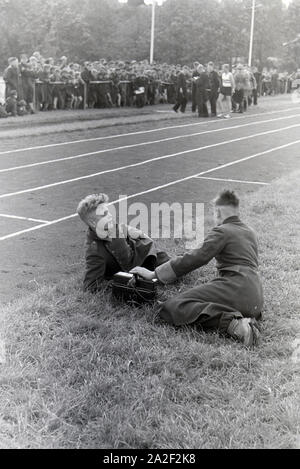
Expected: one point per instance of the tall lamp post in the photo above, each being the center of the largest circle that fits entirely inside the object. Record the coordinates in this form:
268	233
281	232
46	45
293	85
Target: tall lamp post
251	33
253	8
153	4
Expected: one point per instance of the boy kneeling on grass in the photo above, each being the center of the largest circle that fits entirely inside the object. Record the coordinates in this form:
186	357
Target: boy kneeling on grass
231	302
112	248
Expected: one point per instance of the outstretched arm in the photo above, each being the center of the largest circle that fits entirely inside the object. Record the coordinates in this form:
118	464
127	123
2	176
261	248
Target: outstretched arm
182	265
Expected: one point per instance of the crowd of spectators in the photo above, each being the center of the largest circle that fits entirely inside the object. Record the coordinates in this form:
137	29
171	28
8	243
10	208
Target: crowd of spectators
38	84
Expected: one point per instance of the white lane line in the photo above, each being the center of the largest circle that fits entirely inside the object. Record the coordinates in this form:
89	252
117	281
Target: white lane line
233	180
124	147
24	218
157	188
140	132
38	227
141	163
226	165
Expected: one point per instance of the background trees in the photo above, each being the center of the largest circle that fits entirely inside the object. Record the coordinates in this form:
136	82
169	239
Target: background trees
186	30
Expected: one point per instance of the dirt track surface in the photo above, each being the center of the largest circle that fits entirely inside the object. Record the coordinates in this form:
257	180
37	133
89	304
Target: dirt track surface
152	157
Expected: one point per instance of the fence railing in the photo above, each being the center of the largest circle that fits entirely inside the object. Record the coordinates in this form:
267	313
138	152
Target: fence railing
91	92
46	90
88	90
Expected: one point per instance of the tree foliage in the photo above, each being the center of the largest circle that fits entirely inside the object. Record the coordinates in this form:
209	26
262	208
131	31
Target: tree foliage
186	30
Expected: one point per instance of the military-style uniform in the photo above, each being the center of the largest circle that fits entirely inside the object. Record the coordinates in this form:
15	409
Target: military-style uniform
195	75
140	82
12	78
235	293
181	93
28	76
240	80
214	85
44	89
104	258
202	88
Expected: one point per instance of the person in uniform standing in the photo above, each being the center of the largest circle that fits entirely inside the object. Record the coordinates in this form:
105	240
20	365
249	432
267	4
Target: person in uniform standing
202	89
232	302
257	90
181	92
214	87
12	78
28	77
240	80
195	76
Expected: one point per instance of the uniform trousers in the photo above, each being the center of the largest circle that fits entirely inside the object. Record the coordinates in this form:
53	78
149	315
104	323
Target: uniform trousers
213	305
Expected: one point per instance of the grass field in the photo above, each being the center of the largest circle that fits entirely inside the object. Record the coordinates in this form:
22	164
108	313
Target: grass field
83	373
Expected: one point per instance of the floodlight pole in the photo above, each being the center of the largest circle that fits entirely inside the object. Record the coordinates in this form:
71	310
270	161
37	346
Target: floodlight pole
152	32
252	33
153	4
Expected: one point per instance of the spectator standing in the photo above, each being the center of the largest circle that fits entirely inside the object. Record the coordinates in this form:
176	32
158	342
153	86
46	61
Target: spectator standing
139	89
253	85
214	87
87	77
181	92
202	89
195	76
266	83
44	92
67	77
57	93
257	90
274	82
12	78
226	91
28	77
240	81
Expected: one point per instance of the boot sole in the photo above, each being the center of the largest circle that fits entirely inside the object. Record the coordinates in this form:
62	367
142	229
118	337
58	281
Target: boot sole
255	334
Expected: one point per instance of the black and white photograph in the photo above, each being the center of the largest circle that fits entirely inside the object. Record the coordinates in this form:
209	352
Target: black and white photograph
149	227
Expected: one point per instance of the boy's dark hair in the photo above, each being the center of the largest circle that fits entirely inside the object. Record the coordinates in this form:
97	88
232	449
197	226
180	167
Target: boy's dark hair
227	197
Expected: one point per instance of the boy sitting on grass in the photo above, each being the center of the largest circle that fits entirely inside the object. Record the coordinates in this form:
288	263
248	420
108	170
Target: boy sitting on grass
112	248
232	301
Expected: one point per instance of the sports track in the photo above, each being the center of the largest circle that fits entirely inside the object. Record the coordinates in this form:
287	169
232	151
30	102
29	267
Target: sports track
185	160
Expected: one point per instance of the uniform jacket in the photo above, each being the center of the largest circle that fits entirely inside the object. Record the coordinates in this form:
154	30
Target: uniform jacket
233	244
181	84
240	79
214	82
12	78
257	76
28	74
235	293
253	82
203	85
86	75
104	258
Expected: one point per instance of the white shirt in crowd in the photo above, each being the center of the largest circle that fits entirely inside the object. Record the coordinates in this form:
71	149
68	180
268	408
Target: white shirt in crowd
227	80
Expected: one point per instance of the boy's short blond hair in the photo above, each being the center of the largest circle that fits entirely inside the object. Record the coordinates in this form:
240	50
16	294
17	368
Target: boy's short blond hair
90	204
